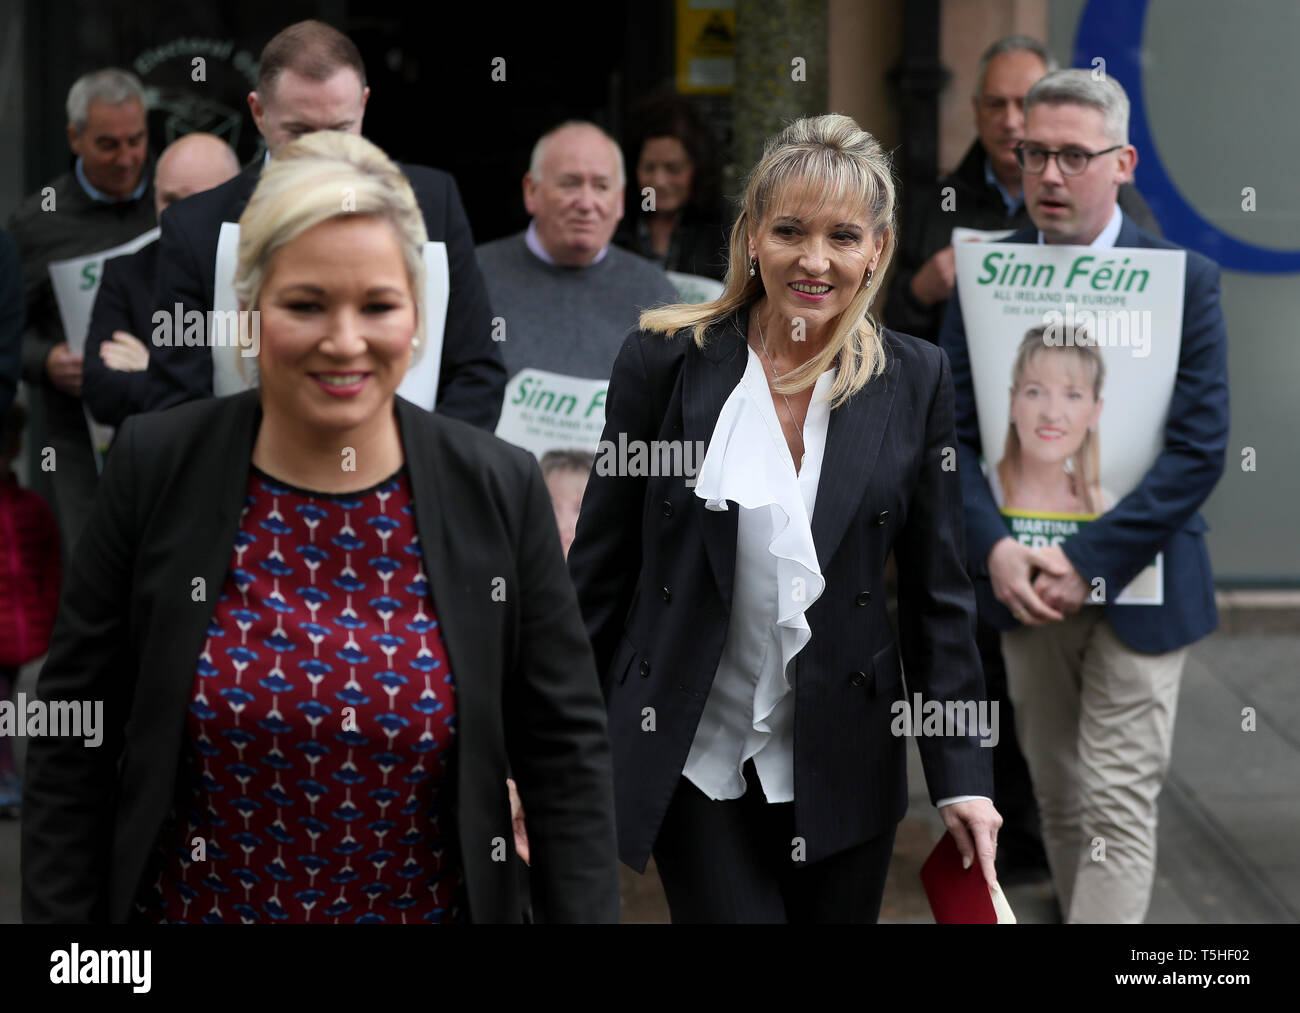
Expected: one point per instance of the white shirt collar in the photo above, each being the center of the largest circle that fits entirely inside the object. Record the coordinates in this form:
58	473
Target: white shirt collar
749	712
98	195
1108	236
534	243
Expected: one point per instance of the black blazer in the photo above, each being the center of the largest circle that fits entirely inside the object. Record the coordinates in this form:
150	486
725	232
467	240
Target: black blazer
473	377
129	633
655	570
13	313
124	302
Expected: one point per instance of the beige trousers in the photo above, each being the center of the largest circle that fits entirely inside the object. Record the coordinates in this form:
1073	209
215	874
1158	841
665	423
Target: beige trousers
1095	720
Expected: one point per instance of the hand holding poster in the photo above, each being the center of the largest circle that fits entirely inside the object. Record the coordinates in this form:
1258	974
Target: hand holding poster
961	234
1073	353
76	283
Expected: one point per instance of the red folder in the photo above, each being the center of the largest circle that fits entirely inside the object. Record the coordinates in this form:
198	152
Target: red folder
957	896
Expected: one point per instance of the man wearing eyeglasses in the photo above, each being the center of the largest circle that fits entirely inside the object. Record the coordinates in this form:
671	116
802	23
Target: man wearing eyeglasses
1095	689
984	192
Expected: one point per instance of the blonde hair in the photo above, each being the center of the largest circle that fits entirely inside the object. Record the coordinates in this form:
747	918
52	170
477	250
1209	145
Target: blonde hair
1085	464
325	175
843	164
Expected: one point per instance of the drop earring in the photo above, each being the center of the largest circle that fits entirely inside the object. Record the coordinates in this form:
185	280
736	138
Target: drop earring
753	266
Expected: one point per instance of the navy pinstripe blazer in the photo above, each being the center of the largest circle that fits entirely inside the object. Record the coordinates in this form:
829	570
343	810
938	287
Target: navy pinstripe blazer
655	571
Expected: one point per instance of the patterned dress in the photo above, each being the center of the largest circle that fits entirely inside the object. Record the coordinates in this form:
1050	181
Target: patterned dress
316	783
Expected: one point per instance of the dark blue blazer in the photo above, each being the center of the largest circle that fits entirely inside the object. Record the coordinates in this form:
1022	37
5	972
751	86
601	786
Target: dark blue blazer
1160	515
655	573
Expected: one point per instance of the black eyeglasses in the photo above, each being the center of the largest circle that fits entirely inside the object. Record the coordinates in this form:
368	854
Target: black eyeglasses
1071	161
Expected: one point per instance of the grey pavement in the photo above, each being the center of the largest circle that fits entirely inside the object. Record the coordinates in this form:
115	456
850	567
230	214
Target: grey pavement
1229	814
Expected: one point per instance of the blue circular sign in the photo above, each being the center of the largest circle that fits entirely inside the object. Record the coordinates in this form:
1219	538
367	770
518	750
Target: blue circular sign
1112	29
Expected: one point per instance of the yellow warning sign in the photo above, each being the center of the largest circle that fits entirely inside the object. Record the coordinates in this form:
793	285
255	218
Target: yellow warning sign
706	46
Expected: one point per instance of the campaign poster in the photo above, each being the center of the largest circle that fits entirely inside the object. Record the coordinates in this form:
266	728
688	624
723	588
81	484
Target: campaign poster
694	288
545	411
76	283
1074	352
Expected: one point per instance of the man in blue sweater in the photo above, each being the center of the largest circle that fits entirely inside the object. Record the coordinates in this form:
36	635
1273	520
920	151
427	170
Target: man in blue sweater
565	297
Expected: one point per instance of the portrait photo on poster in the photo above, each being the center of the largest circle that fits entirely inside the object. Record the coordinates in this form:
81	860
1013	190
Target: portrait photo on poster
1073	352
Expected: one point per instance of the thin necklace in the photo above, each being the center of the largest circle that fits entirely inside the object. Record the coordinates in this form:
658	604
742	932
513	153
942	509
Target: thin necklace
762	342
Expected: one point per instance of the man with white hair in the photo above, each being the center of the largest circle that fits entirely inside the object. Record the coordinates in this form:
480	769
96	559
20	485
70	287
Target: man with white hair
115	377
106	200
1095	687
566	296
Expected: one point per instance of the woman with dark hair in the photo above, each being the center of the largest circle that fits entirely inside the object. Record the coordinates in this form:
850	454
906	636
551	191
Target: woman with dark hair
679	223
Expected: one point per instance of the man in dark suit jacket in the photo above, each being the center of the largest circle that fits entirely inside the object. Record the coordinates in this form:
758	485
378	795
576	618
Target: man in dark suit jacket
114	381
1095	688
311	78
12	314
984	192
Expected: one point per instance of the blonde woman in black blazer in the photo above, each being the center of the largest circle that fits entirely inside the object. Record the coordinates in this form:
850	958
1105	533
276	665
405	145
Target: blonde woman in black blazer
145	625
752	719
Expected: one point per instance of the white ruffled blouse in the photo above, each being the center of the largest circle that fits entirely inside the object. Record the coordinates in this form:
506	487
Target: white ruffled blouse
750	709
